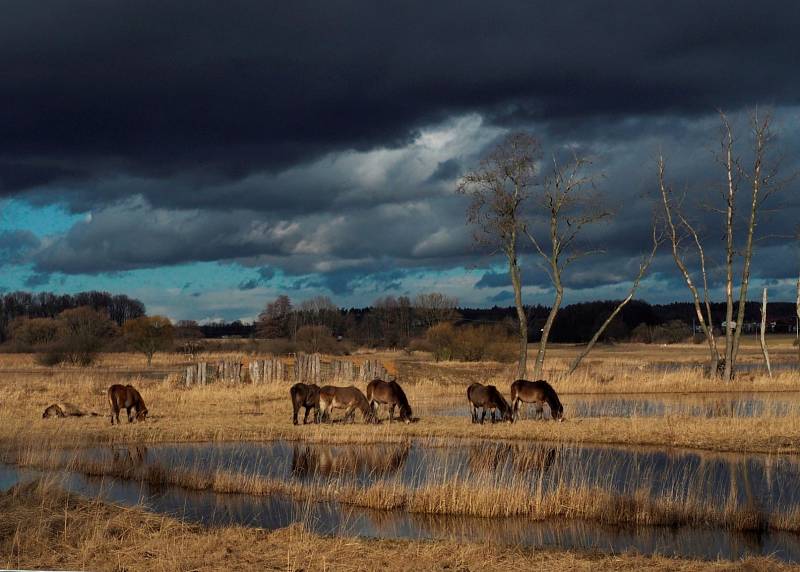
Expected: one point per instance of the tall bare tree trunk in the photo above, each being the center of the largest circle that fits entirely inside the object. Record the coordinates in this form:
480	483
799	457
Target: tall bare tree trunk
730	203
548	324
516	282
761	134
763	332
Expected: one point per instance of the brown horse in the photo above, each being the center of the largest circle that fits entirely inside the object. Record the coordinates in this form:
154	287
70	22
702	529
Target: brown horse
126	397
538	393
65	410
391	394
347	398
305	395
487	397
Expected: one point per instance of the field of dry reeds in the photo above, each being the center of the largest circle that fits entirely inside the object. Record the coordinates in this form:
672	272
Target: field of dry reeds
42	527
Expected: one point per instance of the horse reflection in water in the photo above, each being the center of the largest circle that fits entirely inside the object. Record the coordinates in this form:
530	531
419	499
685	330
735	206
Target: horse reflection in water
327	461
520	459
129	457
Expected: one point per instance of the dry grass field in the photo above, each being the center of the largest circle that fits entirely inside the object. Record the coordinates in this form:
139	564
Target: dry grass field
55	529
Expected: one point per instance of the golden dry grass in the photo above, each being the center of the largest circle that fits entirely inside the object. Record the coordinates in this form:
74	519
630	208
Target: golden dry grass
45	528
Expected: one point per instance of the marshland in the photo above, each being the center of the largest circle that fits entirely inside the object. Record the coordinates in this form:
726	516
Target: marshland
653	458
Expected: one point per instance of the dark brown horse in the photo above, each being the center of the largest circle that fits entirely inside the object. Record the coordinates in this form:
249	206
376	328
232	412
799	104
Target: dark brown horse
348	398
388	393
538	393
305	395
487	397
126	397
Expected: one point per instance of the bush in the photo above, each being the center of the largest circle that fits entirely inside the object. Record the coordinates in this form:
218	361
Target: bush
467	343
82	332
31	332
320	339
148	335
673	332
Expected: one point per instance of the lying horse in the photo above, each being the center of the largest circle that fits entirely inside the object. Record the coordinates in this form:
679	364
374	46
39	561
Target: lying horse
388	393
536	392
305	395
347	398
126	397
65	410
487	397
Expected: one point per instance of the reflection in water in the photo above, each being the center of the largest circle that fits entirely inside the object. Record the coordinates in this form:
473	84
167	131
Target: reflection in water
708	405
764	483
271	512
310	461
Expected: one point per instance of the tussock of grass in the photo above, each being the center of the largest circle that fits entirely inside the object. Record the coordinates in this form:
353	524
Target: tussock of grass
43	527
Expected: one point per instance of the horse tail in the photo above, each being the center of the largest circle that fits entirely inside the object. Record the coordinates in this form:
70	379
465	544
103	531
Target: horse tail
515	389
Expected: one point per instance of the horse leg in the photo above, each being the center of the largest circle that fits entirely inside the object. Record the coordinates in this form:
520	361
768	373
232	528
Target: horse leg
130	419
391	412
483	414
515	408
305	417
295	409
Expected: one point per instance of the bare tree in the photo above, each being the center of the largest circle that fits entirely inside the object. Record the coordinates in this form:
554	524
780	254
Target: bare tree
762	182
643	266
677	233
434	307
570	204
499	189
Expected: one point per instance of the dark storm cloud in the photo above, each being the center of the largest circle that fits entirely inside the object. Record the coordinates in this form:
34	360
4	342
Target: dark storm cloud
242	131
15	245
222	90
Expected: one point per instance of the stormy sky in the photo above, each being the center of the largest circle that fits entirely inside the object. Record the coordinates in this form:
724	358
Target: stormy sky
205	156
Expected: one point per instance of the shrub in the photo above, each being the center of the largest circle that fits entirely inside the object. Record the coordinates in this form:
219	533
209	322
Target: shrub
82	333
468	343
148	335
31	332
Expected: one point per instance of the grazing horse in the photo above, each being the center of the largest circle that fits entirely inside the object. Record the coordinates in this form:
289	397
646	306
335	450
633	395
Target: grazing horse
388	393
347	398
536	392
126	397
305	395
487	397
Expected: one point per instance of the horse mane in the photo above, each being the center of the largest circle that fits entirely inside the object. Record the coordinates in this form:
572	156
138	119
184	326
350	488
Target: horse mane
401	395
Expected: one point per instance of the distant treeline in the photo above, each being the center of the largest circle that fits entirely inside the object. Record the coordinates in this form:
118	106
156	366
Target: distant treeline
395	321
120	308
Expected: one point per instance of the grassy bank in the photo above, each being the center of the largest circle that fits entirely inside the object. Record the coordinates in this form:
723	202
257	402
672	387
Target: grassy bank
45	528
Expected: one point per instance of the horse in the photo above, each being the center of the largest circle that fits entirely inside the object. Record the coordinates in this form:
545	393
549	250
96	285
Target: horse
488	397
126	397
347	398
391	394
305	395
65	410
536	392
